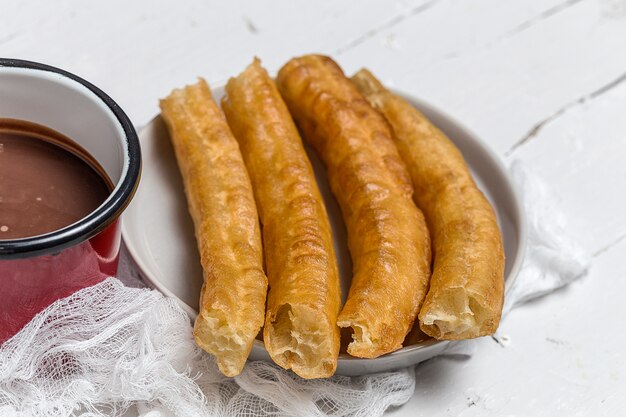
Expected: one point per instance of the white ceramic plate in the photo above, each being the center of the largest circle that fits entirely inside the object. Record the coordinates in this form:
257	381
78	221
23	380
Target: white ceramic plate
158	231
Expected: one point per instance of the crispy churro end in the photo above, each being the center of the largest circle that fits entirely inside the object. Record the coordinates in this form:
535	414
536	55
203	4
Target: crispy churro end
366	82
213	334
297	340
365	342
361	345
456	316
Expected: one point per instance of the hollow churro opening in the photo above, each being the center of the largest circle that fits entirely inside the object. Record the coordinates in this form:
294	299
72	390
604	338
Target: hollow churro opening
296	339
463	316
370	338
214	335
362	344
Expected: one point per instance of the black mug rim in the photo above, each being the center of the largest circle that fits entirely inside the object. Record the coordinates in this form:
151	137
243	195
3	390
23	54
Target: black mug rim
104	215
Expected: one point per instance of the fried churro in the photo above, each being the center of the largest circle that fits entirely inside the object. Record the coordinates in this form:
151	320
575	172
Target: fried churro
387	234
304	299
466	290
221	204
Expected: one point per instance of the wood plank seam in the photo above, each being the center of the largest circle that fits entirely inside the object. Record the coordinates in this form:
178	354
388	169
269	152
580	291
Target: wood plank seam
384	26
534	131
604	249
546	14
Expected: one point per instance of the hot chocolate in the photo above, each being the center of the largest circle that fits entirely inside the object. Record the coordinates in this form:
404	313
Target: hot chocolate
47	181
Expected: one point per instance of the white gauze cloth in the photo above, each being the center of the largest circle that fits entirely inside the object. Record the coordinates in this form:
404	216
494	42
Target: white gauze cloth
109	348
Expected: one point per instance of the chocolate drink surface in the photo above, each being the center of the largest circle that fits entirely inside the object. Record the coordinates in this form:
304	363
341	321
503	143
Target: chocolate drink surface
47	181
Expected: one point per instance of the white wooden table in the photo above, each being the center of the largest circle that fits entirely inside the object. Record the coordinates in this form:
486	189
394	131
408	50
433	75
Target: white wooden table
543	81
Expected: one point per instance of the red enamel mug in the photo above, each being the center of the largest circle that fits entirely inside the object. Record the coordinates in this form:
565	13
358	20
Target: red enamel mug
36	271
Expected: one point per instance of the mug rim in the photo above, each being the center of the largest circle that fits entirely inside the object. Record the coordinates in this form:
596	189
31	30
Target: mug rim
103	216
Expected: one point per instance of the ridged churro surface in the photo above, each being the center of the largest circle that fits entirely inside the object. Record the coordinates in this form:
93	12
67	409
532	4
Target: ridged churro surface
221	204
304	299
466	290
387	234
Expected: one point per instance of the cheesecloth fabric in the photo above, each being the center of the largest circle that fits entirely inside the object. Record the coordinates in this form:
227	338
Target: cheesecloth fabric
114	350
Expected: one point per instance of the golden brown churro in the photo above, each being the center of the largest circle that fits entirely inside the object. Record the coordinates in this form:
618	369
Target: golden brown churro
221	203
304	299
466	290
387	234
